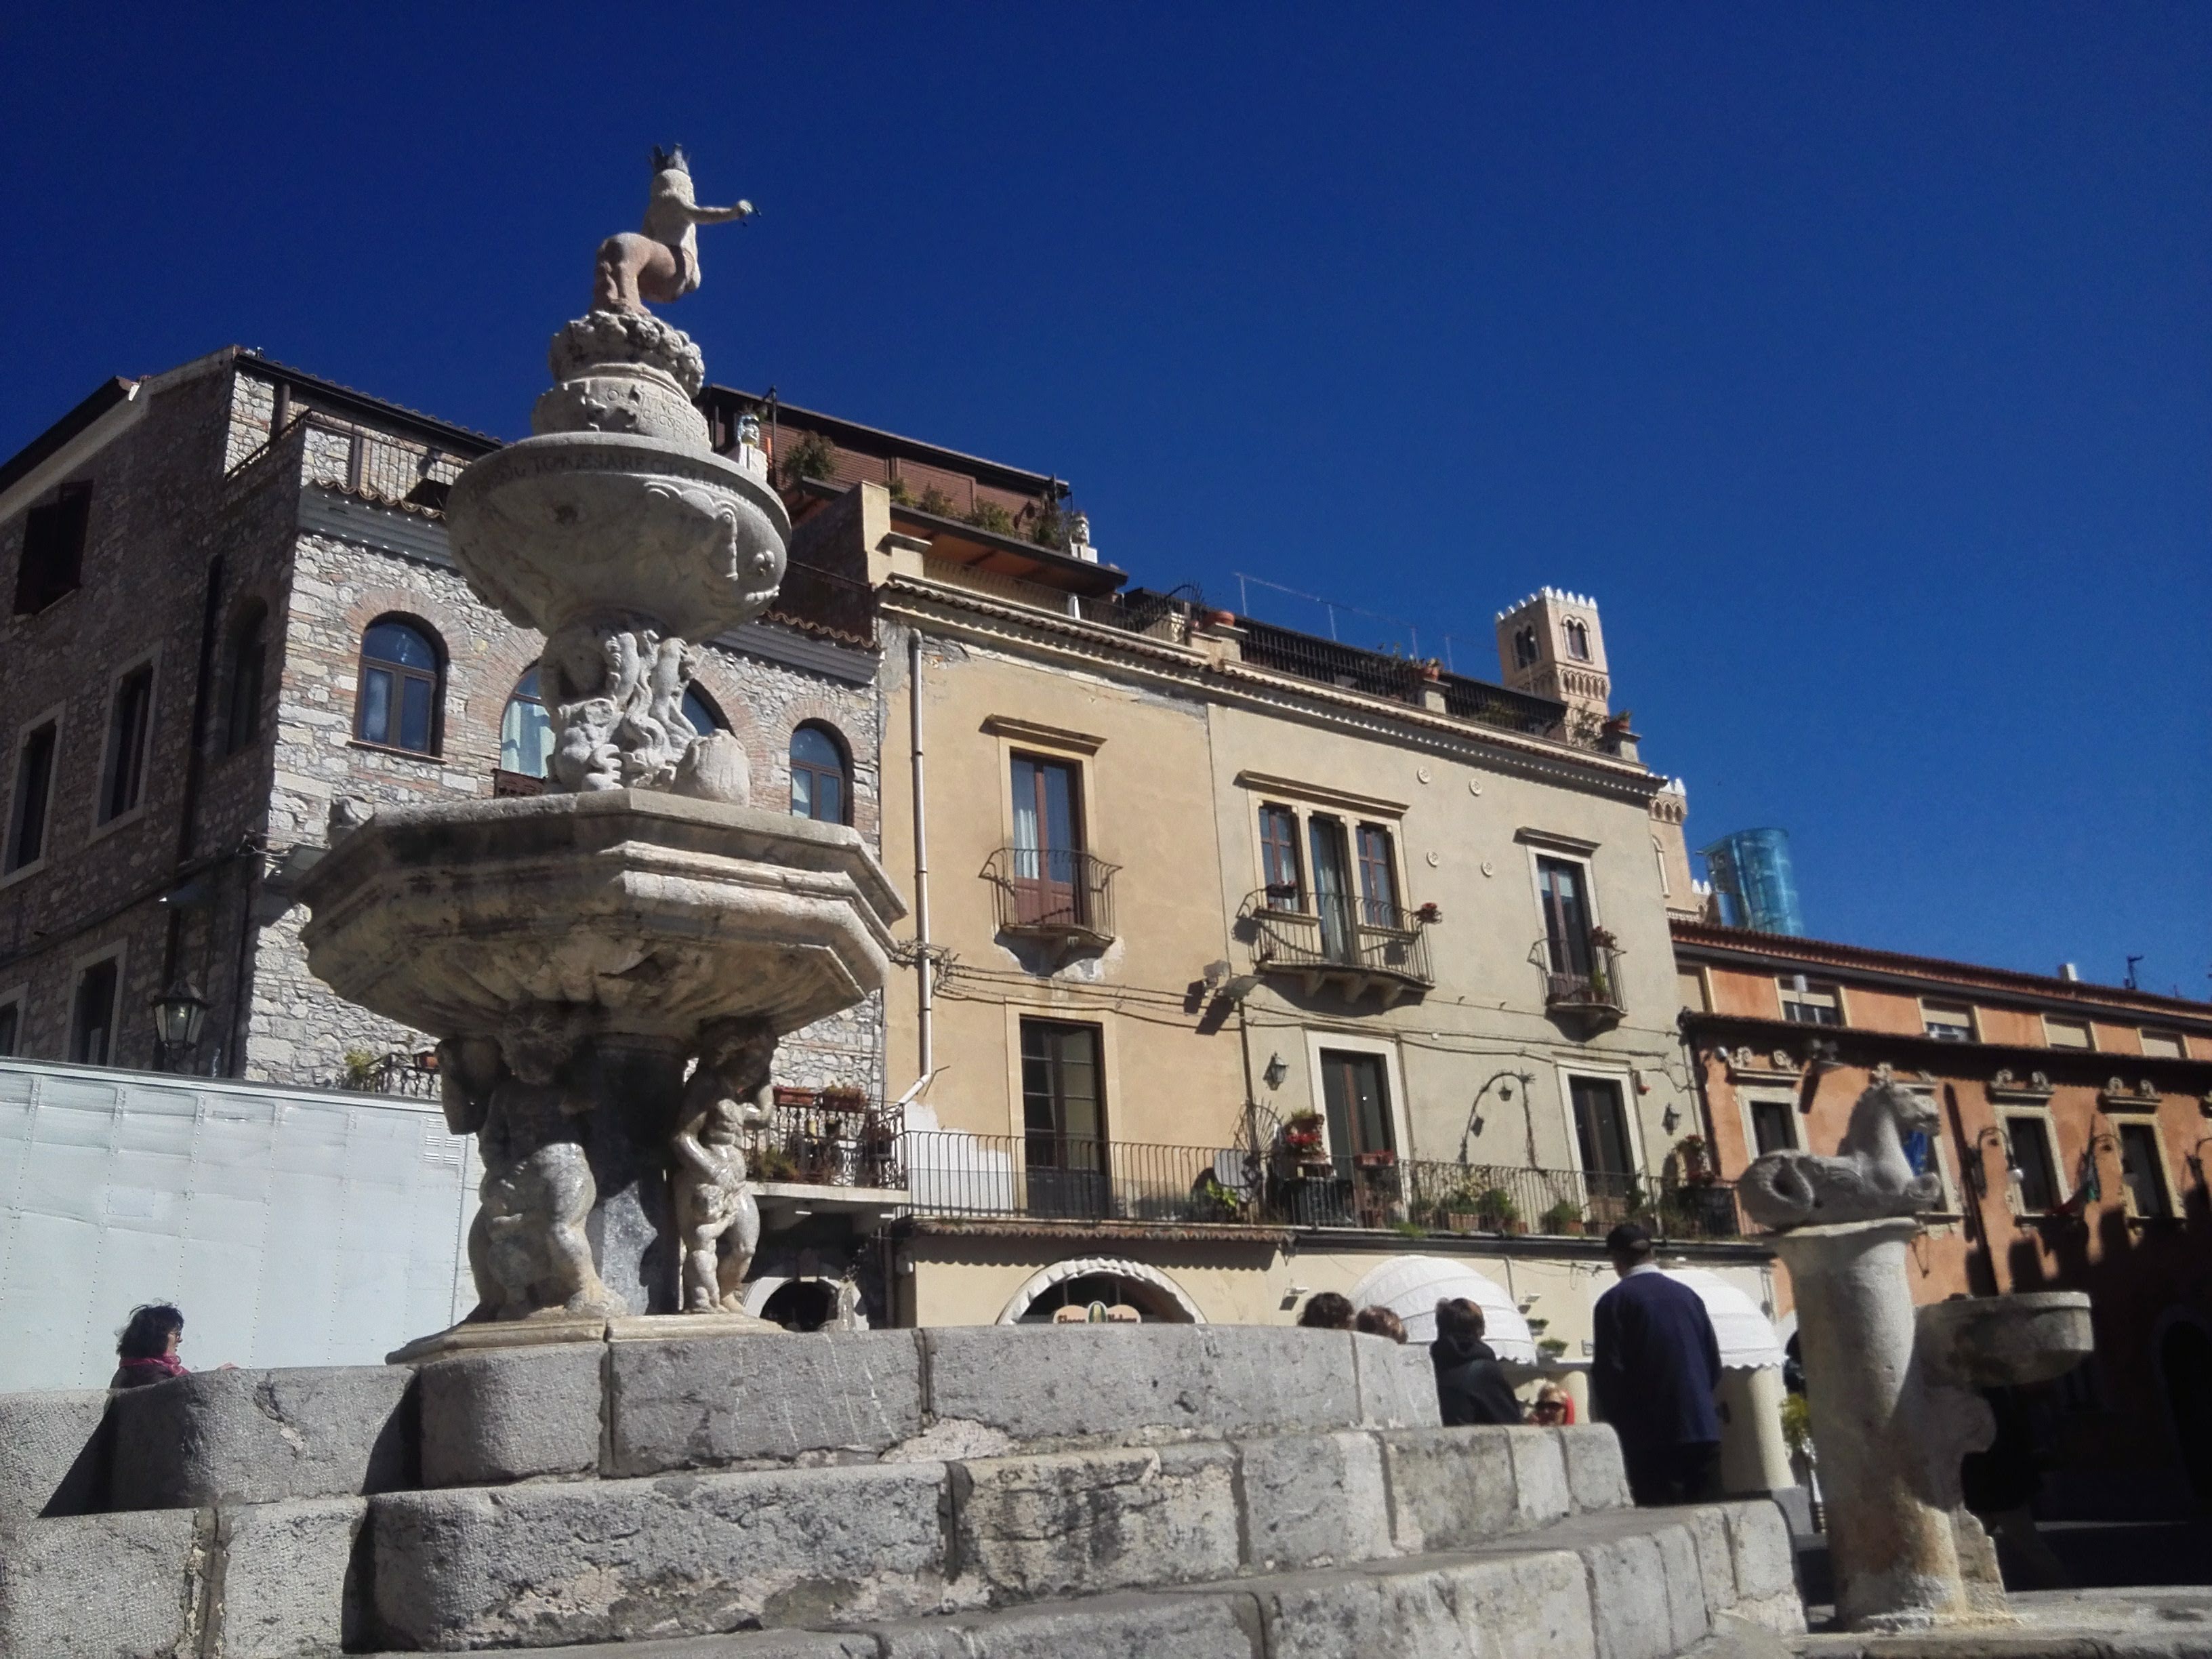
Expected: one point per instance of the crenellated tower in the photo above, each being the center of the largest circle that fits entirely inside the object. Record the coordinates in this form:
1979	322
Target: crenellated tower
1553	644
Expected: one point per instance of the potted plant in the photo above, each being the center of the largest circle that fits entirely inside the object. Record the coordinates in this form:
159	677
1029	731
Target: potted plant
1562	1217
1496	1208
1381	1160
1429	915
771	1163
1554	1348
1301	1133
1697	1161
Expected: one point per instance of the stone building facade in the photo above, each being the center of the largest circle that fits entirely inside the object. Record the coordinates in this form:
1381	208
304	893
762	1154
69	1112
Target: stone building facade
248	526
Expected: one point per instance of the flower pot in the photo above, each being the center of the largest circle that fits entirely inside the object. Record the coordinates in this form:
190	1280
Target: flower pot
1517	1225
1460	1221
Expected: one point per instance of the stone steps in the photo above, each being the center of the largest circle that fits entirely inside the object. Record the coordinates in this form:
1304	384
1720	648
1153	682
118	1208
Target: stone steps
629	1490
1634	1585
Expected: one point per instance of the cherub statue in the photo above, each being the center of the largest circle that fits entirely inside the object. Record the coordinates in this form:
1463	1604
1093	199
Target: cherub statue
715	1215
661	264
522	1095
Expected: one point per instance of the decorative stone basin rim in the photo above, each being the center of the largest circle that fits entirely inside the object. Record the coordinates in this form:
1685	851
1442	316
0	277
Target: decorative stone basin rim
1992	1341
651	912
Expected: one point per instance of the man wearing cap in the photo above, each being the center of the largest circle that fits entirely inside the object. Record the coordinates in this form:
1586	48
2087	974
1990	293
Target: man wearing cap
1654	1366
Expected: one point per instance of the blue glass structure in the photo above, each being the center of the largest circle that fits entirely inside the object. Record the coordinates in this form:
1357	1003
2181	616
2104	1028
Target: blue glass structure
1752	875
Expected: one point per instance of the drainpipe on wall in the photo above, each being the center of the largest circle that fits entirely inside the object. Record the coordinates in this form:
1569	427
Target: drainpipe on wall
921	968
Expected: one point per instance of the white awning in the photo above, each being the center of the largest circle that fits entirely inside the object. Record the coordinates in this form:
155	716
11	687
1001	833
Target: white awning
1412	1285
1746	1336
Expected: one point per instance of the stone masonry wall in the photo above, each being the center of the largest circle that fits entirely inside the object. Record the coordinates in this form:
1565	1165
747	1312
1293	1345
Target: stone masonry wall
156	492
300	1030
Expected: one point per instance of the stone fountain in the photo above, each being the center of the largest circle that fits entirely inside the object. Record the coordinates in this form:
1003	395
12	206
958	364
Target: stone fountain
1894	1390
608	965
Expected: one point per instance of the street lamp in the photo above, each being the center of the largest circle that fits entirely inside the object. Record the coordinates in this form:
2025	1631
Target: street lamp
179	1013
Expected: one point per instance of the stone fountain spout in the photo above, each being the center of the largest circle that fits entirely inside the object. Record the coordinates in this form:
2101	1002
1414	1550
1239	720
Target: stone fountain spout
1894	1391
581	952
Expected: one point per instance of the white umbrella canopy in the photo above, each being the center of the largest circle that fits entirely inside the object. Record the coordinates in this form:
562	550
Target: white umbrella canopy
1746	1336
1412	1285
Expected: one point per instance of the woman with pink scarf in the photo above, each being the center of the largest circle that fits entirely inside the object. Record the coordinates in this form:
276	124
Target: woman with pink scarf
147	1347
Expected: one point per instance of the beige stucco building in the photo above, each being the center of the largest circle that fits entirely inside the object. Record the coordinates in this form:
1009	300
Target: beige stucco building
1179	878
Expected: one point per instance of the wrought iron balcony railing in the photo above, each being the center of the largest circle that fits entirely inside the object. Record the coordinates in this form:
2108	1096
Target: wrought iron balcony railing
1585	984
830	1140
1058	1177
1053	893
1363	943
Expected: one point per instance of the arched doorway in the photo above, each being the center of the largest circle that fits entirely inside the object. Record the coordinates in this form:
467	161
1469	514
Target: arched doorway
1157	1299
2185	1365
801	1305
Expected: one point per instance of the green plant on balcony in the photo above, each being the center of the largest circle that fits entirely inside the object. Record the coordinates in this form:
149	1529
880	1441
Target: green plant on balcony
902	492
1553	1347
811	456
1301	1133
1564	1218
1212	1201
989	515
358	1069
936	502
1049	528
771	1163
1496	1208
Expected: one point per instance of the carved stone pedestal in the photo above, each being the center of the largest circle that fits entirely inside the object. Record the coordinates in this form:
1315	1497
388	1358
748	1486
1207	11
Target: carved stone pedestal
1894	1407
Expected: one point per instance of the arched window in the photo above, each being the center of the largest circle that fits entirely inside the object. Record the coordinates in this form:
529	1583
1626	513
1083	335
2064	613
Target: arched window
248	669
701	711
1578	634
402	686
821	781
526	730
1524	648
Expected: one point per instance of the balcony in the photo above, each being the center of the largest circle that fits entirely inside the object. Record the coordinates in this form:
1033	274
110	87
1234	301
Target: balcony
1582	989
1064	898
1058	1178
834	1152
1356	946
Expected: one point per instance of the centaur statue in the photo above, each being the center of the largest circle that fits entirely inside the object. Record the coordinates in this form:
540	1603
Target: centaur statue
661	263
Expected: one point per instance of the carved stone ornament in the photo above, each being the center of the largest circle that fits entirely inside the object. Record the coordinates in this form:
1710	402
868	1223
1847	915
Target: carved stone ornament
1784	1060
1870	1177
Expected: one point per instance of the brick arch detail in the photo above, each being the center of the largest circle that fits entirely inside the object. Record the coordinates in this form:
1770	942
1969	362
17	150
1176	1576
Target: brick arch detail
457	708
863	757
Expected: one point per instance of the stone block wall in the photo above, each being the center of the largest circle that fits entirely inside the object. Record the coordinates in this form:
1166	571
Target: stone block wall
156	519
300	1031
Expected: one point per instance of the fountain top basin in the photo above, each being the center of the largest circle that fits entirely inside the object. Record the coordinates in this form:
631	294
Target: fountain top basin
649	913
1993	1341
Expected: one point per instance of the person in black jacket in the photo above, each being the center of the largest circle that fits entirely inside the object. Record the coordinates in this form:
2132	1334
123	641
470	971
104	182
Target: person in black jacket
1655	1363
1471	1385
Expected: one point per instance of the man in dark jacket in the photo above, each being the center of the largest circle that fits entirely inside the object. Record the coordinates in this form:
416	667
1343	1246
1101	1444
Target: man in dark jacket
1655	1363
1471	1385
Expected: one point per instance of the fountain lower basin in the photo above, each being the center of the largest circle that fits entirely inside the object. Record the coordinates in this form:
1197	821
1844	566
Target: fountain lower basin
1998	1342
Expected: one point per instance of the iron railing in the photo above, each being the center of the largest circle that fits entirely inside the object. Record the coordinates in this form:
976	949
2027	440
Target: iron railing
1074	1177
414	1074
1052	891
1590	986
830	1140
1060	1177
1367	935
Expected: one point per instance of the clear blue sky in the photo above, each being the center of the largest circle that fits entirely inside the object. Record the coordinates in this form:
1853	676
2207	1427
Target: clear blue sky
1858	359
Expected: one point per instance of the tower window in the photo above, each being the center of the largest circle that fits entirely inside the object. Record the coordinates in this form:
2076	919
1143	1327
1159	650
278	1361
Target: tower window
53	549
1577	633
1524	648
91	1019
402	685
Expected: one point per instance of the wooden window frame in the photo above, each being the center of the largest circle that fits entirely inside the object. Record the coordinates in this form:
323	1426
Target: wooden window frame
1973	1020
1755	1099
1785	994
2148	1129
793	767
1287	815
2178	1039
402	676
1393	1080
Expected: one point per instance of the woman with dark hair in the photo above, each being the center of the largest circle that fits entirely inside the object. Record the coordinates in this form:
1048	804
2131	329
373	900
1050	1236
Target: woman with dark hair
1326	1311
147	1347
